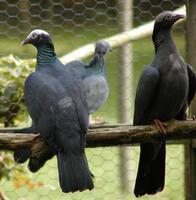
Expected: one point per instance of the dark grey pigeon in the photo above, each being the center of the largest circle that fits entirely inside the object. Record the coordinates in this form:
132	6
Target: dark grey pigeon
96	91
162	92
95	82
56	103
94	76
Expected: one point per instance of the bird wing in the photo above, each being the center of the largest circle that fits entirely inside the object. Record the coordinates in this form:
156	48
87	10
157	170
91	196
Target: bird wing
30	90
192	83
145	94
34	105
182	115
79	99
77	69
152	156
72	80
40	96
49	102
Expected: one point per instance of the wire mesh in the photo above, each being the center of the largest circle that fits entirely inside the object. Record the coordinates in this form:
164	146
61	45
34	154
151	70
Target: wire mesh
72	24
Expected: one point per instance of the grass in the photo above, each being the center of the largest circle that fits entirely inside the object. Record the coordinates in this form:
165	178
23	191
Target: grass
104	162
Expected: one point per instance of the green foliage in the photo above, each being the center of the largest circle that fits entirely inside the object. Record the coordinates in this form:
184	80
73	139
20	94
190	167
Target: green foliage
16	173
13	73
8	166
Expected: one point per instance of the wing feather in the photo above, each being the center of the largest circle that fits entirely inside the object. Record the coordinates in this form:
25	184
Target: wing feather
145	94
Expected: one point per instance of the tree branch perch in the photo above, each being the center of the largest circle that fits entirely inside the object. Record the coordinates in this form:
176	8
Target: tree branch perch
105	135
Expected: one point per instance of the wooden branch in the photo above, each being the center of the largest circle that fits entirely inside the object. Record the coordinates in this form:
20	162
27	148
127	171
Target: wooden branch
117	40
105	135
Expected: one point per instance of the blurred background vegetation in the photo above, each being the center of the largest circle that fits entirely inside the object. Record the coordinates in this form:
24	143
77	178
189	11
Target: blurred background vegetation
73	23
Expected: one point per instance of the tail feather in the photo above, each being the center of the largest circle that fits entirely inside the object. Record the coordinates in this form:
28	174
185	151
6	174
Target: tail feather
151	172
74	173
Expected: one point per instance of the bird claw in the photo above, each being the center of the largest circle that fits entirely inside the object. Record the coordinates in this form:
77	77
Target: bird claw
160	125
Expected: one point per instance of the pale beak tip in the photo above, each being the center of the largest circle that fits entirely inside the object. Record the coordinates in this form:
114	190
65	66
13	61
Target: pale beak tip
23	42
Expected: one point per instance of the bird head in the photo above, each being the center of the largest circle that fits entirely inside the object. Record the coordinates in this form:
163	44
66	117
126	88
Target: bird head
166	19
101	48
38	38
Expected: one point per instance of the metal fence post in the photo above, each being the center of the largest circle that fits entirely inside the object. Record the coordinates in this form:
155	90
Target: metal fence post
125	89
190	150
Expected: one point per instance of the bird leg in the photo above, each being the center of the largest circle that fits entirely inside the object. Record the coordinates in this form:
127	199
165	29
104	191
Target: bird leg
160	125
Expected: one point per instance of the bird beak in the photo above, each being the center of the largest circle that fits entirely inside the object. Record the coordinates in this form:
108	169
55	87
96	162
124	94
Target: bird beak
24	42
179	16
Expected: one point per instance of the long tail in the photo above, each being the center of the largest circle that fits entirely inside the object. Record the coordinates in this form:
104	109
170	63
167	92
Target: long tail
74	173
151	171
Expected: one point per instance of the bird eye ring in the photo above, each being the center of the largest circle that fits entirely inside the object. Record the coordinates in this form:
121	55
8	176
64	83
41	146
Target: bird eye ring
168	17
34	35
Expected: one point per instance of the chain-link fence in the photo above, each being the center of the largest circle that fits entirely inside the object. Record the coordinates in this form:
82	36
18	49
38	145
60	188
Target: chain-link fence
73	23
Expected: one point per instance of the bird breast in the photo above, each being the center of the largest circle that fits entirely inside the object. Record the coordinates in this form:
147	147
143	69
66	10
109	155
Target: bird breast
96	91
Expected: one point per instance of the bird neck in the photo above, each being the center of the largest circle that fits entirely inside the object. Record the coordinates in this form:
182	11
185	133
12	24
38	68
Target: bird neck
96	65
46	54
160	37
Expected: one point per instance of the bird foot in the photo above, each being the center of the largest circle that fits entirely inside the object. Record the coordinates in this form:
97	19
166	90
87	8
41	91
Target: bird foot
193	117
160	125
